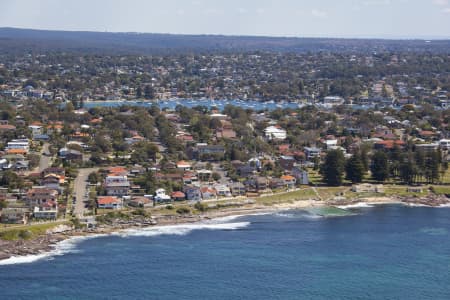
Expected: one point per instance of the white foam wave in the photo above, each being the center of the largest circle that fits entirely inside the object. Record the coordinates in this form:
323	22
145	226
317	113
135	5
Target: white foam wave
60	248
416	205
69	245
356	205
285	215
181	229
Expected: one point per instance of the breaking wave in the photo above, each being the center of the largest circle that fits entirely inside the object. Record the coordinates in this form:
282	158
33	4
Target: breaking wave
69	245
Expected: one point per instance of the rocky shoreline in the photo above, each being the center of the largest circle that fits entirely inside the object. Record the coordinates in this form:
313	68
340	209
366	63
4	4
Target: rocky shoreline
47	242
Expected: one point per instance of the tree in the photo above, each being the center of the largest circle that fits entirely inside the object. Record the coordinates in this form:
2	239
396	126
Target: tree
216	176
94	177
139	92
408	172
148	92
332	169
354	169
379	167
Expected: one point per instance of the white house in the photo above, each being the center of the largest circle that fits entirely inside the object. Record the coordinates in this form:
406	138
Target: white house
161	196
35	129
22	144
275	133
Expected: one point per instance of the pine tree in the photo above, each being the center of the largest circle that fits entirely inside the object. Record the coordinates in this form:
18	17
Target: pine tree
139	92
354	169
379	167
408	172
333	168
148	92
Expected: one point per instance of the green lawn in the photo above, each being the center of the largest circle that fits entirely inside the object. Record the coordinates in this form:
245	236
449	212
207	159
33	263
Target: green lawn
303	194
27	231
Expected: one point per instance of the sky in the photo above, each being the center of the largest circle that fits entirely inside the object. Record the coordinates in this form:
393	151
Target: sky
300	18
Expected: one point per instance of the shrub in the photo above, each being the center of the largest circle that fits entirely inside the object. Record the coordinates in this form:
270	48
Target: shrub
201	206
183	210
25	234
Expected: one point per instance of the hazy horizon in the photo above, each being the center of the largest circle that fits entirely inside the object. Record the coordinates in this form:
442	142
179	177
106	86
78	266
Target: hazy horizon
385	19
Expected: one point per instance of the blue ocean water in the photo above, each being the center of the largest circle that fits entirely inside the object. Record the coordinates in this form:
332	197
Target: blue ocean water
382	252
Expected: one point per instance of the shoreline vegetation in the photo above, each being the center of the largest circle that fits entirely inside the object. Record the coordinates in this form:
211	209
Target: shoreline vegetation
38	239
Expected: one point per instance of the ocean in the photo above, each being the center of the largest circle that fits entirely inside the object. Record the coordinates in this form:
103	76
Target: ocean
380	252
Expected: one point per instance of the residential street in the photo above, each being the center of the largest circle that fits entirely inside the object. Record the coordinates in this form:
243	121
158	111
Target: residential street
45	159
79	187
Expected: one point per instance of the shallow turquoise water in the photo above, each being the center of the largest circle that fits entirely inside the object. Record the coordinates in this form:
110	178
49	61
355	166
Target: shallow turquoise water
385	252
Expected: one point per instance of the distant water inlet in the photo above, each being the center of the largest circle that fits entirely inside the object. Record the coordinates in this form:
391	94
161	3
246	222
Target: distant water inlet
379	252
209	103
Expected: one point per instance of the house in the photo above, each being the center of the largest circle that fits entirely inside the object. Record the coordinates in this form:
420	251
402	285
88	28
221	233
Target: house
7	127
15	215
331	143
109	202
41	137
312	152
246	170
70	154
288	181
368	188
237	189
18	145
134	139
444	144
21	165
53	181
225	133
161	196
40	195
189	178
47	210
257	184
276	183
184	165
178	196
204	175
117	171
388	144
117	185
192	193
4	164
222	190
210	152
35	130
207	193
140	201
53	170
262	183
300	175
286	162
275	133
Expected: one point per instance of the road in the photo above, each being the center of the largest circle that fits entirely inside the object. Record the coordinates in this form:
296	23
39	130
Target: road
45	158
79	187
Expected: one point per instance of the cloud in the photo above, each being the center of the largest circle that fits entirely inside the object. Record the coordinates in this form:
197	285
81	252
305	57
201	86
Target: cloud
260	11
441	2
376	2
242	11
319	13
446	10
212	11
